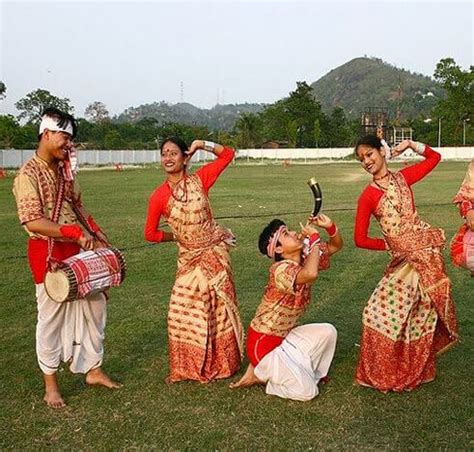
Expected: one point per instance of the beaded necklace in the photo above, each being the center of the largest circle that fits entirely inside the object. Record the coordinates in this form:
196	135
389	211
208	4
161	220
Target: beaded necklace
175	187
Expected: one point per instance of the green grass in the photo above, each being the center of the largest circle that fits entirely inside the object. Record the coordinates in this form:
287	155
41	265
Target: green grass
147	413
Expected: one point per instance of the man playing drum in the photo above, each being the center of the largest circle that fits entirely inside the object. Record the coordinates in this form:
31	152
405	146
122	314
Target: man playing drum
70	332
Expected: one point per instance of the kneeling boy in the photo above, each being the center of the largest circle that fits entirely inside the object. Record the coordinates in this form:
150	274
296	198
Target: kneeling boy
289	359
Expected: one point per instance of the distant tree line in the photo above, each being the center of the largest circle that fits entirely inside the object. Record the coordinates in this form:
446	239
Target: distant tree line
296	121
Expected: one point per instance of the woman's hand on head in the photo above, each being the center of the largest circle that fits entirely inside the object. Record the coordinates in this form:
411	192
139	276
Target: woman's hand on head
195	145
402	147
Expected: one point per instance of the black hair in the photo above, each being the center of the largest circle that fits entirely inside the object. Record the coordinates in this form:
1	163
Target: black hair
266	235
62	119
183	147
370	141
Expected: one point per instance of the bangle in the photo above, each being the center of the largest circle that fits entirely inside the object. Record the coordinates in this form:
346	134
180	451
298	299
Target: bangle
332	230
209	146
419	148
71	231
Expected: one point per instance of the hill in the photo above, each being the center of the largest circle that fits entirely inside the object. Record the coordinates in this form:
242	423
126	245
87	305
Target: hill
371	82
356	85
218	117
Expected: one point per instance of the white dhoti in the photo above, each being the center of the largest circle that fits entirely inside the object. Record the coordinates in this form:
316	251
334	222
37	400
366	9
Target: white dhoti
293	369
70	332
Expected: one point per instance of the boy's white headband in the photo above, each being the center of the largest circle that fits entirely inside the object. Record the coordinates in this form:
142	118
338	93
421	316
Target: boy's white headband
50	123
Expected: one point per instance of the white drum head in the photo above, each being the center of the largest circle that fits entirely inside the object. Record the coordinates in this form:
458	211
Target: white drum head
56	285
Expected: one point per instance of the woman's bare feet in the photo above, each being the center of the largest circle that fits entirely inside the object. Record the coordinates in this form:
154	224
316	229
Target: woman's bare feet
52	396
99	377
247	380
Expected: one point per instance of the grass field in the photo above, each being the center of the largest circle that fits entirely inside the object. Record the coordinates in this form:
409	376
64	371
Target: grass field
147	413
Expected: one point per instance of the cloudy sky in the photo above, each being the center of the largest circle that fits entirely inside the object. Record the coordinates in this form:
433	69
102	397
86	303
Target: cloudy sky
129	53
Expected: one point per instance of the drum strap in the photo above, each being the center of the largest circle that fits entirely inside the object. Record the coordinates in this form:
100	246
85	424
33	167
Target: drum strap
55	217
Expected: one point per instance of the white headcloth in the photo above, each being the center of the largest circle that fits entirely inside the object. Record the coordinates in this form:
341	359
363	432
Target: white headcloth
50	123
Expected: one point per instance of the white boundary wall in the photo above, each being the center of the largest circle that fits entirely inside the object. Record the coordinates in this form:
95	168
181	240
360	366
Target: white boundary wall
14	158
448	153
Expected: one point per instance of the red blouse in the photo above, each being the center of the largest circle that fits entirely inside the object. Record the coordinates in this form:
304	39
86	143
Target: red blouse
370	198
159	198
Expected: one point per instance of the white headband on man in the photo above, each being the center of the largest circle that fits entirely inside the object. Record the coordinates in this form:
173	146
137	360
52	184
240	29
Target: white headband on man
50	123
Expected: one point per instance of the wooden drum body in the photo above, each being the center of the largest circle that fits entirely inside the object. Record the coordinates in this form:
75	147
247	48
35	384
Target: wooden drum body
85	274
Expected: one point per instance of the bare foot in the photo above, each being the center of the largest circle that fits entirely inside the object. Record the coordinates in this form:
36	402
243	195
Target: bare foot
99	377
54	399
52	396
247	380
325	380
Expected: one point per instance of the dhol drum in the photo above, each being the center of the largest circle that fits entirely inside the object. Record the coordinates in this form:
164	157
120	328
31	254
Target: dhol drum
85	274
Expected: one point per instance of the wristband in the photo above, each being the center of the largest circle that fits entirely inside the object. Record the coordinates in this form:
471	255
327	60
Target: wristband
71	231
209	146
94	227
332	230
314	238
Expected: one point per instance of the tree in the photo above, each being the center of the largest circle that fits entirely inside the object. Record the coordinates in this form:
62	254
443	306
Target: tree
112	140
338	133
33	104
3	91
97	112
458	107
317	131
248	127
275	120
10	132
292	133
304	109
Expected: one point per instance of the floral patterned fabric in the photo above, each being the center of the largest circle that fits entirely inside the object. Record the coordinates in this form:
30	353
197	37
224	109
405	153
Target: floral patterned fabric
284	302
410	315
35	189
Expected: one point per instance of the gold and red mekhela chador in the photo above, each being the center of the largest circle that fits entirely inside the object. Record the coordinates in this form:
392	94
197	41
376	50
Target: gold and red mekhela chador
410	316
204	327
465	202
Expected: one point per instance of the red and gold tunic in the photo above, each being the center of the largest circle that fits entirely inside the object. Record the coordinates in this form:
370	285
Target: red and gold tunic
204	328
35	189
283	303
411	315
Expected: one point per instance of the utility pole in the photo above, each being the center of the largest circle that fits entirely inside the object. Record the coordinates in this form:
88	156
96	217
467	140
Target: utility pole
439	132
464	130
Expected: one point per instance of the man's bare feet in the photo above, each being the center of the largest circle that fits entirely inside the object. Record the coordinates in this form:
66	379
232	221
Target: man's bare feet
247	380
52	396
99	377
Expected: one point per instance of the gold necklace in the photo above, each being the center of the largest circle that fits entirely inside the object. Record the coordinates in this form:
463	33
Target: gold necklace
382	177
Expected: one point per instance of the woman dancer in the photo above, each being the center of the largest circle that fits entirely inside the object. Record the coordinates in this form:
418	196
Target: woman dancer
462	245
204	327
410	316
